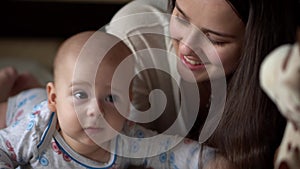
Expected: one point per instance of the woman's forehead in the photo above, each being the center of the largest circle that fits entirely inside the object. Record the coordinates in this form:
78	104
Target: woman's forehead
210	14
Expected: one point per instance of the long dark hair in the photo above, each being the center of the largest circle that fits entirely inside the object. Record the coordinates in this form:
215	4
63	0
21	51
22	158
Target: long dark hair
251	127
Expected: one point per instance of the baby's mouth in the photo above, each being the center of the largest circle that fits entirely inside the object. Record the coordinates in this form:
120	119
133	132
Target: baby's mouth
93	130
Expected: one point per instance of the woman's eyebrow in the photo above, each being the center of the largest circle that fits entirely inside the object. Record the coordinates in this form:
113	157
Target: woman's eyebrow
205	30
180	10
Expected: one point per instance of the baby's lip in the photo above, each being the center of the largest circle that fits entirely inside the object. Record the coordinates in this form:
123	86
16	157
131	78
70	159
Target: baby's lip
92	129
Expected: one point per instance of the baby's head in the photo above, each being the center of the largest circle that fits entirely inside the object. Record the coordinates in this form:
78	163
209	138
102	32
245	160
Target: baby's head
84	93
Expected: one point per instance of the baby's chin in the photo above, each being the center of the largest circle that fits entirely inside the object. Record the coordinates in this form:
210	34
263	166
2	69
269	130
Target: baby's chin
103	138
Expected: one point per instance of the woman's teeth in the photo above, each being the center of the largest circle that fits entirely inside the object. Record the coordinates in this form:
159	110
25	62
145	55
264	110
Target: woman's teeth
190	61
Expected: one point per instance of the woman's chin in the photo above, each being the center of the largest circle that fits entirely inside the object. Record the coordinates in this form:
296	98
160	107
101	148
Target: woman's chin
191	76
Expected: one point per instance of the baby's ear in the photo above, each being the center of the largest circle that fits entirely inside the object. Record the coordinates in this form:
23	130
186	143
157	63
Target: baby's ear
51	96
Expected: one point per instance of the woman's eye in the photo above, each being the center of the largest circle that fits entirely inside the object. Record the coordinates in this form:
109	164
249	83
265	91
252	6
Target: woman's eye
111	98
181	20
216	42
80	95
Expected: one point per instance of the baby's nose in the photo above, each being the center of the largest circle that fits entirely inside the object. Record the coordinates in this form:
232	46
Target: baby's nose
94	108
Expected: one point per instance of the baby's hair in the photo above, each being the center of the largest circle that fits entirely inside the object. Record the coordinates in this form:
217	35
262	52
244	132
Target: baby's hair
72	45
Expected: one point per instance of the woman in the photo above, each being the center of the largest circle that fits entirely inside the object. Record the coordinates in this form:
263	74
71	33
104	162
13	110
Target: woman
250	117
251	127
242	32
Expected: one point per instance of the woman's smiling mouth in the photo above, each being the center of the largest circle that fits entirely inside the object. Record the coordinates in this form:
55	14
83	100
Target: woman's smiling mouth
192	62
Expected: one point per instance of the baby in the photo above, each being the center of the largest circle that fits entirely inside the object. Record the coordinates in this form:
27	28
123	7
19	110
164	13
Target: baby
83	122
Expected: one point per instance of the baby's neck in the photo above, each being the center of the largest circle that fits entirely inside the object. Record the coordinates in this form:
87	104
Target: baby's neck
100	155
93	152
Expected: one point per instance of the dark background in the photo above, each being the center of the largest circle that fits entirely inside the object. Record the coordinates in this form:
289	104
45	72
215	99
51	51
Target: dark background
53	19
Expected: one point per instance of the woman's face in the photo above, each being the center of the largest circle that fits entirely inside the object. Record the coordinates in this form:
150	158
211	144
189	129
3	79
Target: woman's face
217	21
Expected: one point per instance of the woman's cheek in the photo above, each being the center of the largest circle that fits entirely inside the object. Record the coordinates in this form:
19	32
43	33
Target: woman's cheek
228	59
176	30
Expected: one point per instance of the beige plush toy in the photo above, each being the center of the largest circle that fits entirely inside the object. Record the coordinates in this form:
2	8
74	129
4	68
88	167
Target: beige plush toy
280	79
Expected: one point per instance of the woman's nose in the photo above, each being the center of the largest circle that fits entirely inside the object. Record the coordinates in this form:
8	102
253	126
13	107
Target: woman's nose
191	40
195	43
185	49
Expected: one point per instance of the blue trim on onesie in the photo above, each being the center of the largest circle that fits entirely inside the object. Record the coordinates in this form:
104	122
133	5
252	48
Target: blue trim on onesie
84	165
46	131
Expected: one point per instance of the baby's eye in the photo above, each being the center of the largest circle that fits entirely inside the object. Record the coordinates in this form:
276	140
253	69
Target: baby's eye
80	95
111	98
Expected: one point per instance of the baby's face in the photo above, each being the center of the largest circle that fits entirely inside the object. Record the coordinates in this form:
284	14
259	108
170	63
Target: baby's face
91	105
101	103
